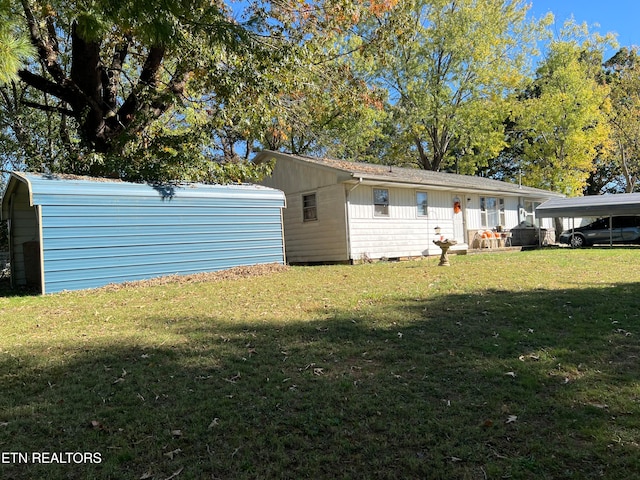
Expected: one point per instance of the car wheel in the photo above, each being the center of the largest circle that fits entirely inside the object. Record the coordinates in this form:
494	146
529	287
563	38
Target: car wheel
577	241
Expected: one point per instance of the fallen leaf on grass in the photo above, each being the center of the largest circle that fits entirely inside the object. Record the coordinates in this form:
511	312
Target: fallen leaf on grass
175	474
173	453
234	378
532	356
96	425
121	378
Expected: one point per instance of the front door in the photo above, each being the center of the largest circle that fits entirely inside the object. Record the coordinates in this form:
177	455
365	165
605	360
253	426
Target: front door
458	218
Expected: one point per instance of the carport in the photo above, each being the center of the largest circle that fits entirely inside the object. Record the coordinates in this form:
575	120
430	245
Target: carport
591	206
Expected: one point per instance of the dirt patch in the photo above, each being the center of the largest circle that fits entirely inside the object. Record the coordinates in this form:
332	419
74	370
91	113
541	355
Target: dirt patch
229	274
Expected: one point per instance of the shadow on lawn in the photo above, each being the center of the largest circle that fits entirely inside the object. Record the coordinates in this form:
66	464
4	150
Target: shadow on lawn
501	384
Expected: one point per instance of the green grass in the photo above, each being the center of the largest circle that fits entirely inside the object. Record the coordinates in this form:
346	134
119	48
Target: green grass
521	366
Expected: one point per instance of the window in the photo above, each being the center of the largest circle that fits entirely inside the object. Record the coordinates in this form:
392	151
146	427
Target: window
309	210
421	202
530	209
492	211
380	202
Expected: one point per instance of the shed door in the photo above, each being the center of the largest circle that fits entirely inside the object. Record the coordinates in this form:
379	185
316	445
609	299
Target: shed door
31	252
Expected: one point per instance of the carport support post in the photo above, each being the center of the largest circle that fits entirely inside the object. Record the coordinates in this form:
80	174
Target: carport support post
610	231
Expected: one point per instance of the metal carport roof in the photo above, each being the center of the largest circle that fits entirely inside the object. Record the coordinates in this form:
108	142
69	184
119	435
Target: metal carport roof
591	206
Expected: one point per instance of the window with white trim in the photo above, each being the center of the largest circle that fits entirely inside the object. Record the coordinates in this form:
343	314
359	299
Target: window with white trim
380	202
492	211
309	208
530	209
422	204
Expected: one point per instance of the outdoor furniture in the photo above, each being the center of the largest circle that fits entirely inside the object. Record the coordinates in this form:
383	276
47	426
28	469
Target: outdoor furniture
490	239
506	238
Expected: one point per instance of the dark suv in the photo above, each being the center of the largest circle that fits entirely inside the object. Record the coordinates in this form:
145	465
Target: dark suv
624	230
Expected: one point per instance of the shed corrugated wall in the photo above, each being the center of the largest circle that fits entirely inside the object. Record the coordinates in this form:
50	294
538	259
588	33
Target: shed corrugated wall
95	233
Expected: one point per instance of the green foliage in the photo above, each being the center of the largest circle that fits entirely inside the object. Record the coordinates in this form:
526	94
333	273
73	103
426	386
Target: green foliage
562	120
623	76
15	48
449	68
124	84
189	90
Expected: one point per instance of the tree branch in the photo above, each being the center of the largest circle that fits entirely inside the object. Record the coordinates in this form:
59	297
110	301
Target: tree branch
49	108
148	79
111	75
45	85
85	61
46	51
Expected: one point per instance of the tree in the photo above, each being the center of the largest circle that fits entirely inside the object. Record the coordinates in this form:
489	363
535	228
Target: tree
561	119
325	107
449	67
623	74
185	90
14	48
123	78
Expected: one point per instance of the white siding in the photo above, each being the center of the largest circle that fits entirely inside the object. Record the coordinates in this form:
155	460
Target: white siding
321	240
403	233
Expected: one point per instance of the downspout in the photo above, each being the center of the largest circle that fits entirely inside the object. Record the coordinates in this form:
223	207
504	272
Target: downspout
346	218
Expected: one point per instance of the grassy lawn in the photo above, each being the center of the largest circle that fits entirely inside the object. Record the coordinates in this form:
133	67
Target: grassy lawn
521	365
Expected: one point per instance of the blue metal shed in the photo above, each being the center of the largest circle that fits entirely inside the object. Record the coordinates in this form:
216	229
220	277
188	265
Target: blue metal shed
70	233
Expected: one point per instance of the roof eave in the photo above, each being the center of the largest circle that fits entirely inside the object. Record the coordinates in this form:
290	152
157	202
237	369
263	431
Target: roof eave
368	179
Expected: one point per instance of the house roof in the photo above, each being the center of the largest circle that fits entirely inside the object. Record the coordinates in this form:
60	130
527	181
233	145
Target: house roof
349	171
591	206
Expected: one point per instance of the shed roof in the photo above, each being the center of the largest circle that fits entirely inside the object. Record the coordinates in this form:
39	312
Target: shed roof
381	174
46	188
591	206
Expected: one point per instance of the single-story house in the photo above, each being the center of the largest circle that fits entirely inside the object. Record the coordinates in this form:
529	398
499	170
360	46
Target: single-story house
70	233
343	211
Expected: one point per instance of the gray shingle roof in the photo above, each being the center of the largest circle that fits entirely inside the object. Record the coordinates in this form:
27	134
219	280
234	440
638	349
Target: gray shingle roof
428	178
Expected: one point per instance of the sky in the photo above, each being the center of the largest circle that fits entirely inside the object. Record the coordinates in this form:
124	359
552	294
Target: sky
615	16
